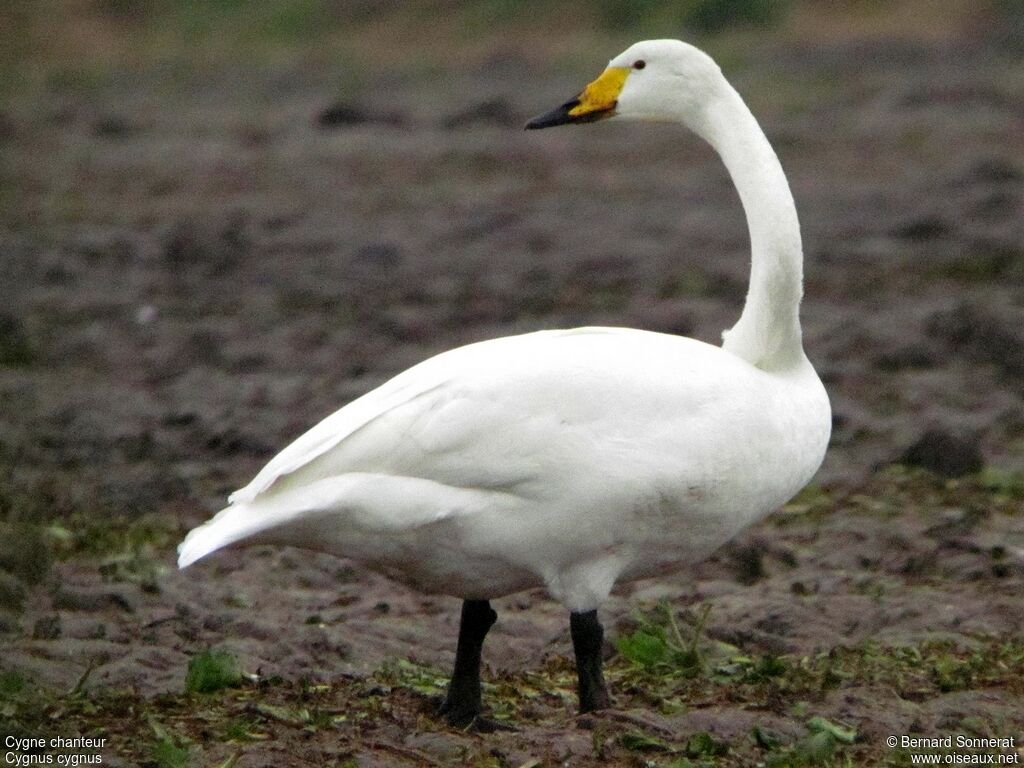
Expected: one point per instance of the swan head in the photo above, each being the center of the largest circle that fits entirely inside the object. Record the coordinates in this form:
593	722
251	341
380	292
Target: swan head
650	80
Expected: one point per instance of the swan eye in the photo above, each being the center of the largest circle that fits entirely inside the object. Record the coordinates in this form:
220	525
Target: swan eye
639	64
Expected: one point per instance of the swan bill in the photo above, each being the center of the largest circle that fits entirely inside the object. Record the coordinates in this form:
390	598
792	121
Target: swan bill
596	102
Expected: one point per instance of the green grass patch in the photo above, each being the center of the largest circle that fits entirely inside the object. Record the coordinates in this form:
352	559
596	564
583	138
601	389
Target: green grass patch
357	713
424	680
635	741
168	754
211	671
97	535
168	750
659	642
1008	486
914	672
703	744
12	683
897	490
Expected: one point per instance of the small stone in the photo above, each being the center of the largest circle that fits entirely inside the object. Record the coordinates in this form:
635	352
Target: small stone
145	314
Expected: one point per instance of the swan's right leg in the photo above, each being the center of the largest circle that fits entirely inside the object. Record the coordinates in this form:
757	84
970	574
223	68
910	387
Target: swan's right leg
588	643
462	704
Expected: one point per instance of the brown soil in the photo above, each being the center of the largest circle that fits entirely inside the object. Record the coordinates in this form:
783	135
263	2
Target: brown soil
193	273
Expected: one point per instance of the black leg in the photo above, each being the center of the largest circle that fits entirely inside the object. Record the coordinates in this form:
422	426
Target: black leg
462	704
587	642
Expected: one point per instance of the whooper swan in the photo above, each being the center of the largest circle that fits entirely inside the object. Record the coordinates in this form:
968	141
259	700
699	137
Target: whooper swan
572	459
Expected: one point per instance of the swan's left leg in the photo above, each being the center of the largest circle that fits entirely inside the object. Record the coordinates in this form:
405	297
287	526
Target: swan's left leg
588	643
462	703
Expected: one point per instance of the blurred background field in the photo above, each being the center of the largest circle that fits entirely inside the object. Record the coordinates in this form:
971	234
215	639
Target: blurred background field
104	37
220	221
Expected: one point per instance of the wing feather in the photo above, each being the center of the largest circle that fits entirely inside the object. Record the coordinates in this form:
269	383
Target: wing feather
335	428
442	377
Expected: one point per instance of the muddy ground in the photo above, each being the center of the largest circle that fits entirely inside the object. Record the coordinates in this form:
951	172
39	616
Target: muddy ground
196	268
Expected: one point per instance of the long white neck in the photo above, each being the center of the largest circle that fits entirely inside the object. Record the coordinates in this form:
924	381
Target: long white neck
768	331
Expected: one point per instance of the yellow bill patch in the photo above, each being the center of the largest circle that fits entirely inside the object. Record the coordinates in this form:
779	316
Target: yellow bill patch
602	94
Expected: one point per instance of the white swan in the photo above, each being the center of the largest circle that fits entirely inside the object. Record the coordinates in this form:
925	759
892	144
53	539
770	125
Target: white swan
569	459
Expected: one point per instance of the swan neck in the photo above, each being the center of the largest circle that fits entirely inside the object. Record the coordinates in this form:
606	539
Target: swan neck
768	331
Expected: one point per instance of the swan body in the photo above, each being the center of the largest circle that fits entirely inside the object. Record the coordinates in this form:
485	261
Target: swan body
570	459
564	459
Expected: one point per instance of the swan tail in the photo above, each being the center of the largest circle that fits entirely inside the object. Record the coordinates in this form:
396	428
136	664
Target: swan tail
259	520
327	513
229	526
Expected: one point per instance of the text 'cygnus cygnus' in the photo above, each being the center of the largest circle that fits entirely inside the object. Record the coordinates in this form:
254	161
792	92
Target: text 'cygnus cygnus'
569	459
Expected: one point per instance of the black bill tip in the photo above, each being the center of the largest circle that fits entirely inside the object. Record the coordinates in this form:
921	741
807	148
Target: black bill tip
557	116
560	116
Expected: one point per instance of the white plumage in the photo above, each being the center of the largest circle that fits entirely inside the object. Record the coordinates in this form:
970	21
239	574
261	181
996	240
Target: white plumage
571	459
563	459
